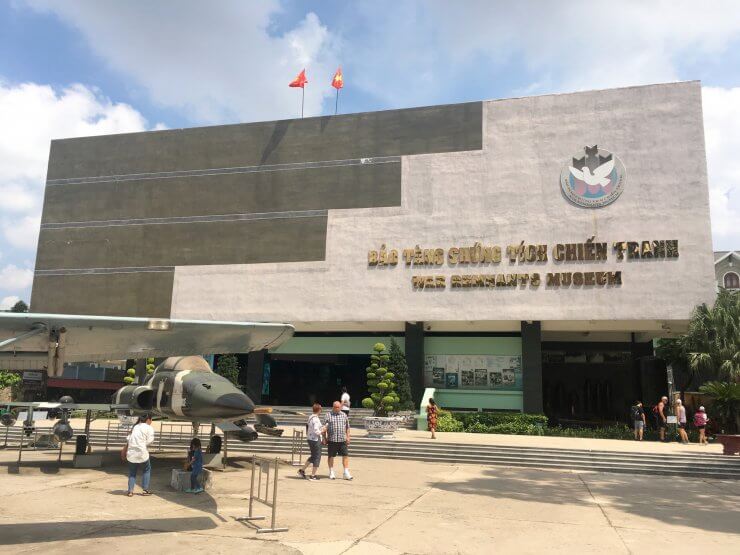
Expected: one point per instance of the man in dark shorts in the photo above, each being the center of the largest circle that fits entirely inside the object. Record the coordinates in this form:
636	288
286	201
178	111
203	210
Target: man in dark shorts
338	437
661	416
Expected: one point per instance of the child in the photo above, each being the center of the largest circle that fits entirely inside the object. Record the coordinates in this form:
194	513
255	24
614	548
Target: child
195	458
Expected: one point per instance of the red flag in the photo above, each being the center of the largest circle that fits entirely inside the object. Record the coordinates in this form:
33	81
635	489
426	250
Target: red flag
338	81
299	81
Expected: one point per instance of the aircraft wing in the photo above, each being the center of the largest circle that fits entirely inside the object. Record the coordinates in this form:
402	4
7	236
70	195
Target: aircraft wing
44	405
89	338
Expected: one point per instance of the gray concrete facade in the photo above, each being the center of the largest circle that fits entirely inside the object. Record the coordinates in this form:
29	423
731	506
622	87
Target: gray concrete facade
122	211
273	221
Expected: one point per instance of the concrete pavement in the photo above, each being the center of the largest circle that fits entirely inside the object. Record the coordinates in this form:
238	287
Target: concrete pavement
391	507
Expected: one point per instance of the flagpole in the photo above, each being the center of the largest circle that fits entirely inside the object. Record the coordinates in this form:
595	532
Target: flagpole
303	98
336	104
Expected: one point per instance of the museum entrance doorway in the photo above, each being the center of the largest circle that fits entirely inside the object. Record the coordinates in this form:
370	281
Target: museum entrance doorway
301	380
587	383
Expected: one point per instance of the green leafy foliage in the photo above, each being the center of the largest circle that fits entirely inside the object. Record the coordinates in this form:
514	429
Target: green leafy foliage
9	379
20	306
710	350
448	423
381	384
725	404
228	367
396	363
128	380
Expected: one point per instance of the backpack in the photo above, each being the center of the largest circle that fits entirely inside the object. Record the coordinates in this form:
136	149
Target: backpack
636	413
699	419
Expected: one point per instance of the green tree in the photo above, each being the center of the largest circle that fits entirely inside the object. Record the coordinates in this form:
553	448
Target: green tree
710	350
381	383
725	404
398	366
228	367
20	306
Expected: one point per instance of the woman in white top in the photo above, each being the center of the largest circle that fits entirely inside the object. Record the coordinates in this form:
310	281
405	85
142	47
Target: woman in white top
137	454
315	431
681	417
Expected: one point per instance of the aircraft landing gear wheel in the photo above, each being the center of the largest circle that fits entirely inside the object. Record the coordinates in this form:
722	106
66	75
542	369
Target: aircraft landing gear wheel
214	445
81	445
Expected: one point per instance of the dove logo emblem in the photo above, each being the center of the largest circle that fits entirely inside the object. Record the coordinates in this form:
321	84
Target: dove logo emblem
594	178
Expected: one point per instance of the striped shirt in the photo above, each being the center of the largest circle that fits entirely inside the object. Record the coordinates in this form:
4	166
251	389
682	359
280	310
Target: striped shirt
337	425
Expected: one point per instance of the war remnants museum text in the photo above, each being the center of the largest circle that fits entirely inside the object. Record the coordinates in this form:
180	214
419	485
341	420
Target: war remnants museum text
522	254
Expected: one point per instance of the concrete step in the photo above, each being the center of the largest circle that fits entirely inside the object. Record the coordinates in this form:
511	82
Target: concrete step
691	465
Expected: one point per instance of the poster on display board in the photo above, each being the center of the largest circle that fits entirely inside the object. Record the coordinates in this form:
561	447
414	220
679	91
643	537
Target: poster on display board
495	372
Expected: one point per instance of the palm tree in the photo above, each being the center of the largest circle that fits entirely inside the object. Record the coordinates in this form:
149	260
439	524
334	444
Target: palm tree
725	403
711	347
713	339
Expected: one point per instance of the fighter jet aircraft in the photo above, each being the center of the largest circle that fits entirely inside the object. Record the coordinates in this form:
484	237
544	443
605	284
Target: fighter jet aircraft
181	388
186	389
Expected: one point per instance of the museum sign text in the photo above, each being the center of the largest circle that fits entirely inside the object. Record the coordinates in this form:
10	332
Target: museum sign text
521	255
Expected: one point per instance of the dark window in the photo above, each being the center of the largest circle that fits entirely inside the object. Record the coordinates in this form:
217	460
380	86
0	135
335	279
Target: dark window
732	281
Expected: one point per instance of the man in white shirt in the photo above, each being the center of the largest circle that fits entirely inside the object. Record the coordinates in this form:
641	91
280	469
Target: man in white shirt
345	401
137	454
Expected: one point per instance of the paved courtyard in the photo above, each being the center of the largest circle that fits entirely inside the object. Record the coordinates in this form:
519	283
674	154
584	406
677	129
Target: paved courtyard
391	507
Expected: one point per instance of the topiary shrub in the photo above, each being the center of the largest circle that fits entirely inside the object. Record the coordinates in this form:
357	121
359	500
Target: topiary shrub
381	383
130	376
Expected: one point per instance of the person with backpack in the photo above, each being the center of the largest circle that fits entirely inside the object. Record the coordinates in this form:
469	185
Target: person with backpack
660	413
700	423
315	432
638	419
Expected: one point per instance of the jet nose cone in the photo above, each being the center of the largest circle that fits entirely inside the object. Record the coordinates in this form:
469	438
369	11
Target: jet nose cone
235	404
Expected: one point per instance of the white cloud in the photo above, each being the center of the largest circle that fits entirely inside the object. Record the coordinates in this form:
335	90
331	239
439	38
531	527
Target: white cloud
6	303
12	277
722	135
213	64
32	115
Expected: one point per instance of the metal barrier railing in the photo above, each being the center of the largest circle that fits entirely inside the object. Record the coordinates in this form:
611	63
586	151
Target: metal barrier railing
264	470
296	448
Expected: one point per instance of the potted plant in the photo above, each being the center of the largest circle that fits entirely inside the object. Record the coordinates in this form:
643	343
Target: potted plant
383	395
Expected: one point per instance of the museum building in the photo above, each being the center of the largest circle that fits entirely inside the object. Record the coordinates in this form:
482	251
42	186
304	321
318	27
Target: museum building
525	253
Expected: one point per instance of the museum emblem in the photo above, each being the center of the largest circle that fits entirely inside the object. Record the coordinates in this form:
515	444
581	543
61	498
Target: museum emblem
593	178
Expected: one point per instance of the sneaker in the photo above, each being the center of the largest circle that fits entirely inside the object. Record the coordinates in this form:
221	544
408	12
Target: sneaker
198	490
347	476
332	476
189	490
314	478
302	473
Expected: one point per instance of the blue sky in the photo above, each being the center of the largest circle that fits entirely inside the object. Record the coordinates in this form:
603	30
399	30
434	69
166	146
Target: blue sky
84	67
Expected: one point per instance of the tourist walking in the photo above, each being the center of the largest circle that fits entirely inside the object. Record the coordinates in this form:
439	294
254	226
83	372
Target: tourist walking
660	412
700	423
432	417
638	420
136	453
338	438
344	399
681	417
315	433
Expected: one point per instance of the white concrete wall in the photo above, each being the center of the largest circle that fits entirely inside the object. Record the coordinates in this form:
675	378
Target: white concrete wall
504	194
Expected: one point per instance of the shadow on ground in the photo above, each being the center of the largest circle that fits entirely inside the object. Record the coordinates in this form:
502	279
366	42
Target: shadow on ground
686	502
36	532
160	479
